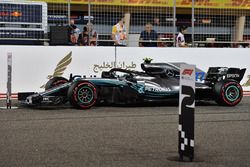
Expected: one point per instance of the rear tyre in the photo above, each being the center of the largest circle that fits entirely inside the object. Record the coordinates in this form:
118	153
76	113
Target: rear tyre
62	94
56	81
228	93
82	94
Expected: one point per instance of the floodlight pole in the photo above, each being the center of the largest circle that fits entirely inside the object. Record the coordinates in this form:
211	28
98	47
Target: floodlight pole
193	1
174	22
115	56
69	8
89	8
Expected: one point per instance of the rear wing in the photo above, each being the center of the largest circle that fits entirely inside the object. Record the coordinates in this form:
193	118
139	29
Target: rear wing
216	74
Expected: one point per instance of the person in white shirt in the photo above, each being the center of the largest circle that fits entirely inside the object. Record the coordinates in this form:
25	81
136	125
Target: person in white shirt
74	32
119	34
180	39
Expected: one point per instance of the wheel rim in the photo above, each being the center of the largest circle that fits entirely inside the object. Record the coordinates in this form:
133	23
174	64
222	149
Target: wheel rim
232	93
85	95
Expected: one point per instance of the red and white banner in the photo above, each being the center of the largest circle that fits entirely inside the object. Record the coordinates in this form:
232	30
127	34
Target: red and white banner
4	96
246	93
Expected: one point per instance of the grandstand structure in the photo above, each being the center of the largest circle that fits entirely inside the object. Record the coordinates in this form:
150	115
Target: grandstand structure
211	23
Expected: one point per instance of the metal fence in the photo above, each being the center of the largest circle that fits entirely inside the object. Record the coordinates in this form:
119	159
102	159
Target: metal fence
211	23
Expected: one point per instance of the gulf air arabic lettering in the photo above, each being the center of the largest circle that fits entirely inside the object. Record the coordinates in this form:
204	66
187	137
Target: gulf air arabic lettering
109	65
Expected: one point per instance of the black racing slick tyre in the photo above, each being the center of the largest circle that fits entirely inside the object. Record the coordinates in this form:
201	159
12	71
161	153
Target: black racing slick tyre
228	93
56	81
82	94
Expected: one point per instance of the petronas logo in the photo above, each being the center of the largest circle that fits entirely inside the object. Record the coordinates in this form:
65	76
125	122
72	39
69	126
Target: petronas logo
248	82
60	67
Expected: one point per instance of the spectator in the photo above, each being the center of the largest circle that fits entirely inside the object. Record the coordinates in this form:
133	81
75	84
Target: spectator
240	45
93	36
74	32
119	35
84	37
180	40
156	21
149	36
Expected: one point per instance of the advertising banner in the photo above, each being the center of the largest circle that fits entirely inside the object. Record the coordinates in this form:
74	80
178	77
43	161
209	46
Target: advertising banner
225	4
20	13
16	18
32	66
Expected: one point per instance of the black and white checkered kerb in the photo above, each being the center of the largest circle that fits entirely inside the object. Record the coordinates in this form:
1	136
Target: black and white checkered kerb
185	142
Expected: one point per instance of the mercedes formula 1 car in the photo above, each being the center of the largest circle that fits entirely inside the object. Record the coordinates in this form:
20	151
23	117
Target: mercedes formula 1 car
156	83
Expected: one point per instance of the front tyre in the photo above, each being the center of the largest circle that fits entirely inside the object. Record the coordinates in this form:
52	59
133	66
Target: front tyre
82	94
228	93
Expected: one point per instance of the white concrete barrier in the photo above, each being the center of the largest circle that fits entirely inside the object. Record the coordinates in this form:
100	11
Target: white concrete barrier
33	64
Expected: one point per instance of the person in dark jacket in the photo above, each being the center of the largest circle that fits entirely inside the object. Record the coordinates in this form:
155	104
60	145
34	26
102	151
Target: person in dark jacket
84	37
148	37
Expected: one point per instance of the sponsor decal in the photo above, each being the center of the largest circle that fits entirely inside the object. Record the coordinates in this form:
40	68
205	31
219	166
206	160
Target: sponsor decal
60	67
200	76
45	99
109	65
157	89
187	72
233	75
13	14
16	14
21	12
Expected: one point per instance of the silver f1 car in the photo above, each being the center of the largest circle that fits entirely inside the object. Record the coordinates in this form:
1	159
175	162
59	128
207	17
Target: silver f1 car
156	83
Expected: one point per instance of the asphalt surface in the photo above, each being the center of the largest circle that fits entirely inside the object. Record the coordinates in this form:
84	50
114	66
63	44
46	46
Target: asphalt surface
122	137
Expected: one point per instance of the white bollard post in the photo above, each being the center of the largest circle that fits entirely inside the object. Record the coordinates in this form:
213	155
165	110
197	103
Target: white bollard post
9	77
186	111
9	83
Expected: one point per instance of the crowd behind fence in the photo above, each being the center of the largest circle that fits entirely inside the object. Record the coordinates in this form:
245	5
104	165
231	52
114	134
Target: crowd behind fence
209	23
